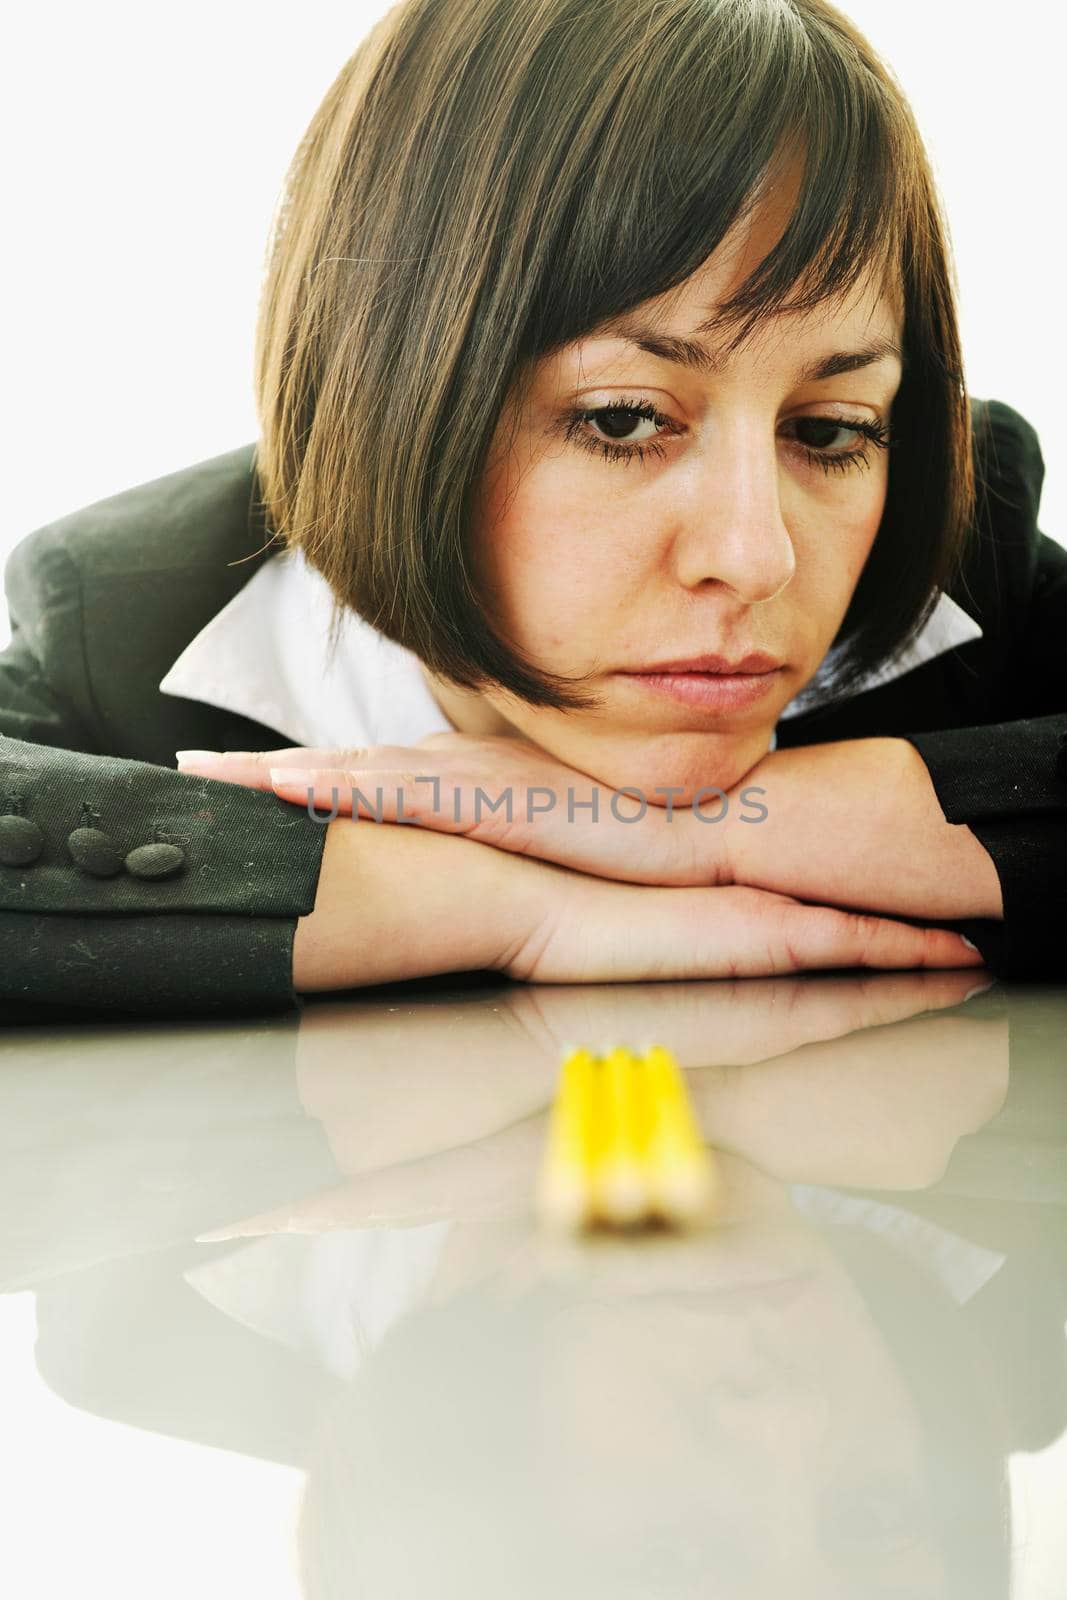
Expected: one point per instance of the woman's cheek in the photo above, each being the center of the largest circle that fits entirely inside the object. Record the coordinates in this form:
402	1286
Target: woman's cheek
556	564
834	532
560	615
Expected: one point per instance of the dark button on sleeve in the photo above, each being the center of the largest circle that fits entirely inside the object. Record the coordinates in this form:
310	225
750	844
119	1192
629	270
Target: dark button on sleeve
241	852
21	840
94	851
155	860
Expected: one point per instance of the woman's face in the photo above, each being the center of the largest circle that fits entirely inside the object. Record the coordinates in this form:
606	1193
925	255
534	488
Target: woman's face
743	527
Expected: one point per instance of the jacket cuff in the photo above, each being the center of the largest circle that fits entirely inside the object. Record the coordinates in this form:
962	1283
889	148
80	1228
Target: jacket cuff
240	851
149	966
1008	782
999	769
1031	862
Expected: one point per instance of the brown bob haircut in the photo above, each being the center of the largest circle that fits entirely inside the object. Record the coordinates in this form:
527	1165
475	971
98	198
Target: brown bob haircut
487	180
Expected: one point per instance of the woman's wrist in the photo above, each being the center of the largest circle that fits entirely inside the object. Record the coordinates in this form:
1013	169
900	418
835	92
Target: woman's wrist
857	823
396	901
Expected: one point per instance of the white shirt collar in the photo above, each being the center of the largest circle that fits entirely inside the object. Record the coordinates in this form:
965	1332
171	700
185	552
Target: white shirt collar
947	626
265	656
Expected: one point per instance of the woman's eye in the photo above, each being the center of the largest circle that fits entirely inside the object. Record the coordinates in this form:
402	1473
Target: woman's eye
831	443
624	429
623	425
629	428
824	432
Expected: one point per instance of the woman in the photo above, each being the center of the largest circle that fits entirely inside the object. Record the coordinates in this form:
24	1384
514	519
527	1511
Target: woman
587	336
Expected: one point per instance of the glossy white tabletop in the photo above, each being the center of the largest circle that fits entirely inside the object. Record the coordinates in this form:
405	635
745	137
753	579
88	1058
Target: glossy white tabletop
279	1319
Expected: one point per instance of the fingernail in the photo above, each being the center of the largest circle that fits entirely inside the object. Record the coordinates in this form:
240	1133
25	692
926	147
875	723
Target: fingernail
197	756
293	777
979	988
970	944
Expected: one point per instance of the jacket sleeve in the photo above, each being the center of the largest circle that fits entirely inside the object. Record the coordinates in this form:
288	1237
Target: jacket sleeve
203	923
1007	779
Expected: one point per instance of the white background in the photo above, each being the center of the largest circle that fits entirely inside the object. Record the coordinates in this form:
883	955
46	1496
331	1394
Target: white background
144	152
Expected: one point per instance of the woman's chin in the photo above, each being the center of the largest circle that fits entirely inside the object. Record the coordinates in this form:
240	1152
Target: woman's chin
673	772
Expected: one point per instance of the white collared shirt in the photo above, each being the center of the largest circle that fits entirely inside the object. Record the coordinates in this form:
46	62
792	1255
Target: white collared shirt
265	656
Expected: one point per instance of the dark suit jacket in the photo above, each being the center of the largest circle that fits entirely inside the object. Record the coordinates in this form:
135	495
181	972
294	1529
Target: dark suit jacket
104	600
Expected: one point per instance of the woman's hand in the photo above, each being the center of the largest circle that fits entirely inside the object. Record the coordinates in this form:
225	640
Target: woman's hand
504	792
857	822
397	903
592	931
853	823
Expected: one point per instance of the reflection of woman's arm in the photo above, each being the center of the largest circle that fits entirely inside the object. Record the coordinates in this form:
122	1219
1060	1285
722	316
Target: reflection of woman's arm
879	1108
883	1108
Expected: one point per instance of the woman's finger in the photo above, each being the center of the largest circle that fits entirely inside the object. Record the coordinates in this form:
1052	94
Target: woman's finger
604	933
252	768
830	937
501	792
589	829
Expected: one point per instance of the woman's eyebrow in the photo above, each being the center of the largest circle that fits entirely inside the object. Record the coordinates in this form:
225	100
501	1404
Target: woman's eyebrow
692	353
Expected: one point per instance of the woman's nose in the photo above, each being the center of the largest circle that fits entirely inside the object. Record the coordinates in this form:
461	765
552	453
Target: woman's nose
729	527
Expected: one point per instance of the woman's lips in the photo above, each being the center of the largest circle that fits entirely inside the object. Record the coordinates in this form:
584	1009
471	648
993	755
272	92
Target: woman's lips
712	691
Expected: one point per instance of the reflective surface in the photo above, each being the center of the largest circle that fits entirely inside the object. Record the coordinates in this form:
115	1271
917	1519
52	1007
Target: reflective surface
279	1318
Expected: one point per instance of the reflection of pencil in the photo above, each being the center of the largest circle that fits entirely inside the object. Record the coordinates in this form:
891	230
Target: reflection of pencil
682	1180
620	1190
565	1193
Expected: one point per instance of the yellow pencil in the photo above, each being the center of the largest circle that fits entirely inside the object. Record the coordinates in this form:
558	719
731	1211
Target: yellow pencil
623	1144
565	1189
682	1178
619	1176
